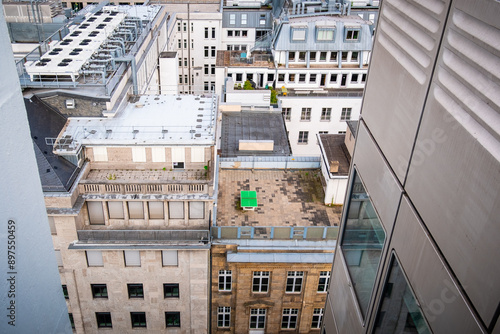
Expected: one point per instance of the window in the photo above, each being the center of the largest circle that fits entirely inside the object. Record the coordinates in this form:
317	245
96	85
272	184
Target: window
135	210
135	290
322	56
351	34
223	316
243	19
59	257
302	56
213	32
230	33
341	132
180	62
237	33
169	257
244	33
287	114
324	280
232	19
289	319
354	77
196	210
344	55
132	258
52	225
206	51
205	85
257	318
176	210
206	69
346	114
186	79
333	56
185	65
225	280
324	34
65	291
103	319
115	210
156	210
291	56
94	259
322	132
317	318
184	26
303	136
305	114
363	77
173	319
213	51
99	290
281	77
298	34
100	153
71	320
212	69
206	32
197	154
294	281
171	290
180	79
326	114
354	56
260	281
302	78
262	19
179	44
291	77
312	78
362	244
239	76
185	44
270	77
333	77
138	319
398	297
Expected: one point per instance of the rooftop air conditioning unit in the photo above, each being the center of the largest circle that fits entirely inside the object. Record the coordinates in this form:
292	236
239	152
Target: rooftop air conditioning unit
70	104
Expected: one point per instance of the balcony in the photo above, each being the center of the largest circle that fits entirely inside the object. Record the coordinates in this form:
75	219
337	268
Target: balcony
154	181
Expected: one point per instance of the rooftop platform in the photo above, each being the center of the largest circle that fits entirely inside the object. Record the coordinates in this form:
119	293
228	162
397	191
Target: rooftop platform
285	199
334	149
151	120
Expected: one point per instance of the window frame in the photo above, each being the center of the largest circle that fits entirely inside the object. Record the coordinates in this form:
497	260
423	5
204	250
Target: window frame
169	290
177	316
104	323
141	323
305	115
132	290
224	317
65	291
225	283
260	277
323	30
326	114
324	281
287	114
257	314
292	286
293	31
317	318
99	291
303	137
355	34
345	114
232	19
292	316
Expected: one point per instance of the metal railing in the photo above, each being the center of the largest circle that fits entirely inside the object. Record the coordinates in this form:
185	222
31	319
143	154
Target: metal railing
152	188
275	232
144	235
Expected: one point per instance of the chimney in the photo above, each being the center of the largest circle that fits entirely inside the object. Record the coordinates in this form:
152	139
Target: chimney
334	166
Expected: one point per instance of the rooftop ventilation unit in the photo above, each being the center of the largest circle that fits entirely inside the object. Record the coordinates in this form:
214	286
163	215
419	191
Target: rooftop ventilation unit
70	104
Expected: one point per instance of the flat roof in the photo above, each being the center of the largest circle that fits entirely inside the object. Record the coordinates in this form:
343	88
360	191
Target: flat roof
238	126
151	120
285	198
335	150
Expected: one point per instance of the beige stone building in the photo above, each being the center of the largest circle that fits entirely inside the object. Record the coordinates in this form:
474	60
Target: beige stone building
132	232
270	269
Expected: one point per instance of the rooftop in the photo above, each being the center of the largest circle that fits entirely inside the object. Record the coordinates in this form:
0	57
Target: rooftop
238	126
353	127
151	120
285	198
334	149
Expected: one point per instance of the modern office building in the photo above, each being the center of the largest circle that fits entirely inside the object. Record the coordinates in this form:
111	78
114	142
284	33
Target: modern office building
418	247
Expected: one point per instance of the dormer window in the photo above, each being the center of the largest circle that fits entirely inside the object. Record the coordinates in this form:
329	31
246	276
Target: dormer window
352	34
299	34
325	34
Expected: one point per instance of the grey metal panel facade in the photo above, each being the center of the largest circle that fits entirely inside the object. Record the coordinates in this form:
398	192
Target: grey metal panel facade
398	89
284	40
253	19
379	181
445	308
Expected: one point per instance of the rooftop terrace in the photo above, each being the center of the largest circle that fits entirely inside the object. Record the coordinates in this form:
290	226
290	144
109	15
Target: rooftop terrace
291	198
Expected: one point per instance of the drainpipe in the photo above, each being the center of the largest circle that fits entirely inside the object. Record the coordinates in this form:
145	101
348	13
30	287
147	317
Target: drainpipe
130	59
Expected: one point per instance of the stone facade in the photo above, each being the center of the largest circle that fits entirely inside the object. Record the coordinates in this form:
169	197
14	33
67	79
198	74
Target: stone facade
242	299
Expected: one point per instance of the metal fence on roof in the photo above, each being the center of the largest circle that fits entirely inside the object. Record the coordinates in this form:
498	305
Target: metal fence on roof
271	162
276	232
